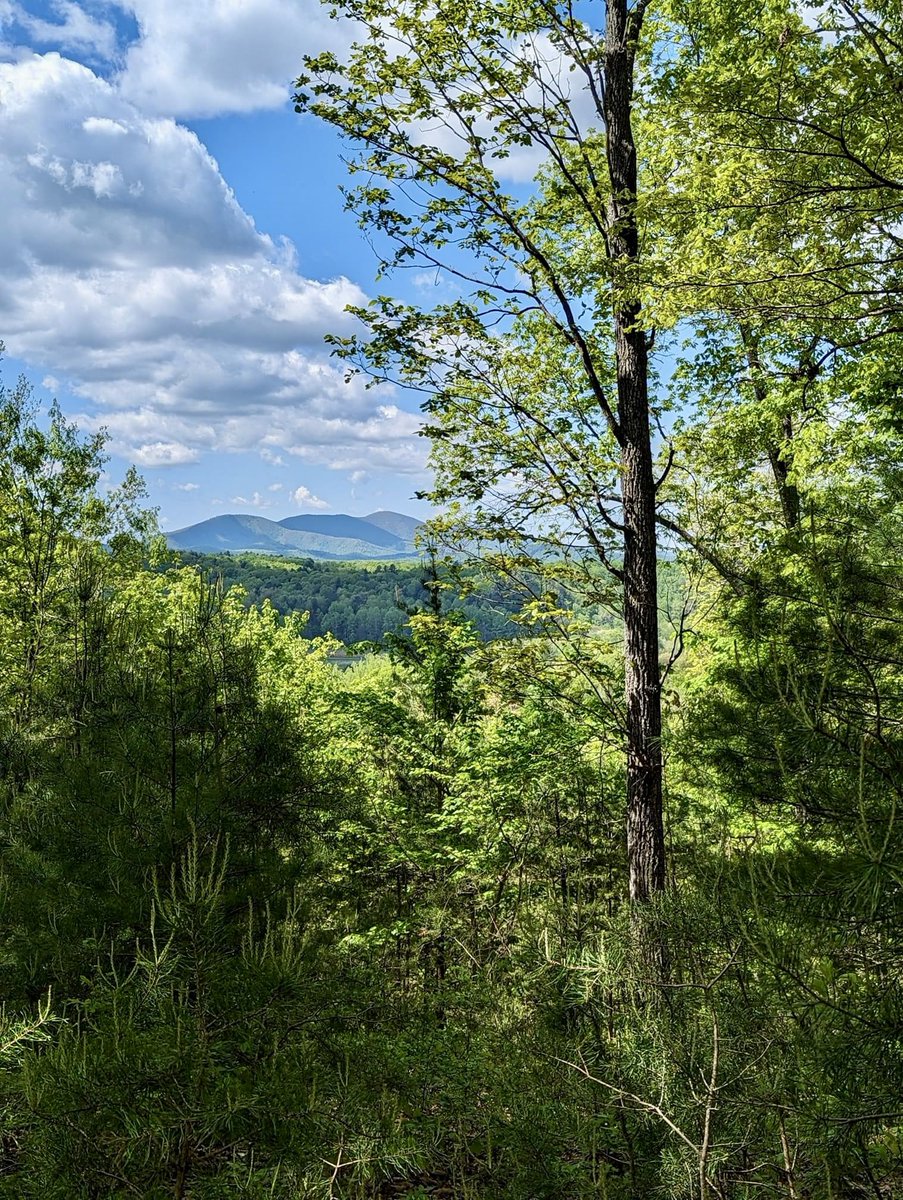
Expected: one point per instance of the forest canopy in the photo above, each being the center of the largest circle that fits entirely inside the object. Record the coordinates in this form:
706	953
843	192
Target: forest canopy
608	908
355	602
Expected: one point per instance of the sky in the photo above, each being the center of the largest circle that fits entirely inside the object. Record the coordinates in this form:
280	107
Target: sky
173	250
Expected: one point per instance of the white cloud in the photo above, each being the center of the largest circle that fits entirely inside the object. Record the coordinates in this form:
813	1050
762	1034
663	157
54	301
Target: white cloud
206	57
256	500
81	197
187	487
163	454
75	29
201	58
129	271
304	498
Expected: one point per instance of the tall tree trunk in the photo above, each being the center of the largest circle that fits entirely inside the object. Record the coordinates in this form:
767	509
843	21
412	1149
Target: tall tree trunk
645	827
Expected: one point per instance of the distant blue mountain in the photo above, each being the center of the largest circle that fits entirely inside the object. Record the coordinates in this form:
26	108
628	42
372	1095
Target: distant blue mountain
392	522
341	525
335	536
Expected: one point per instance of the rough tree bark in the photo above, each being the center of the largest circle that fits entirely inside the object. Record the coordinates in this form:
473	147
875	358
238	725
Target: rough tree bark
645	826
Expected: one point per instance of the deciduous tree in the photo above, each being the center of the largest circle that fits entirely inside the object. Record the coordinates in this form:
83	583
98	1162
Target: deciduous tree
444	101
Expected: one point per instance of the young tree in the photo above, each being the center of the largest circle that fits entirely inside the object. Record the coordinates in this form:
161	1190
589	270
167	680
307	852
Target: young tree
63	546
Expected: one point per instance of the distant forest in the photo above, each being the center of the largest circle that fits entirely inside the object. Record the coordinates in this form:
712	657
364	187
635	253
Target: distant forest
355	603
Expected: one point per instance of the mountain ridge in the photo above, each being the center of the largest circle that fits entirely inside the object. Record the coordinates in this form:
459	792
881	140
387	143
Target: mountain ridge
306	535
343	525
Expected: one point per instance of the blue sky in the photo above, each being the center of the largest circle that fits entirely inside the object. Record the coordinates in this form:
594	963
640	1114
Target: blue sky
174	248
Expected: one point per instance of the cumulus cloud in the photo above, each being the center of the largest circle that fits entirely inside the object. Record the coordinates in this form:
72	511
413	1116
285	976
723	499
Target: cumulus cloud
305	499
130	271
93	183
214	56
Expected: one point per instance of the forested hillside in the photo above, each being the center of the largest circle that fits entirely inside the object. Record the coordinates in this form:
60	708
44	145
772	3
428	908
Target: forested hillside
355	603
363	602
613	908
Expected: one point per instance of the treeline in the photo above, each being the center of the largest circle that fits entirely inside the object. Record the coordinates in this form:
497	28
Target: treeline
354	603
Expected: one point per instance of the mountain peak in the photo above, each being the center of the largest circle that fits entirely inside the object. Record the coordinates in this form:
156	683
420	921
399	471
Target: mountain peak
400	524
